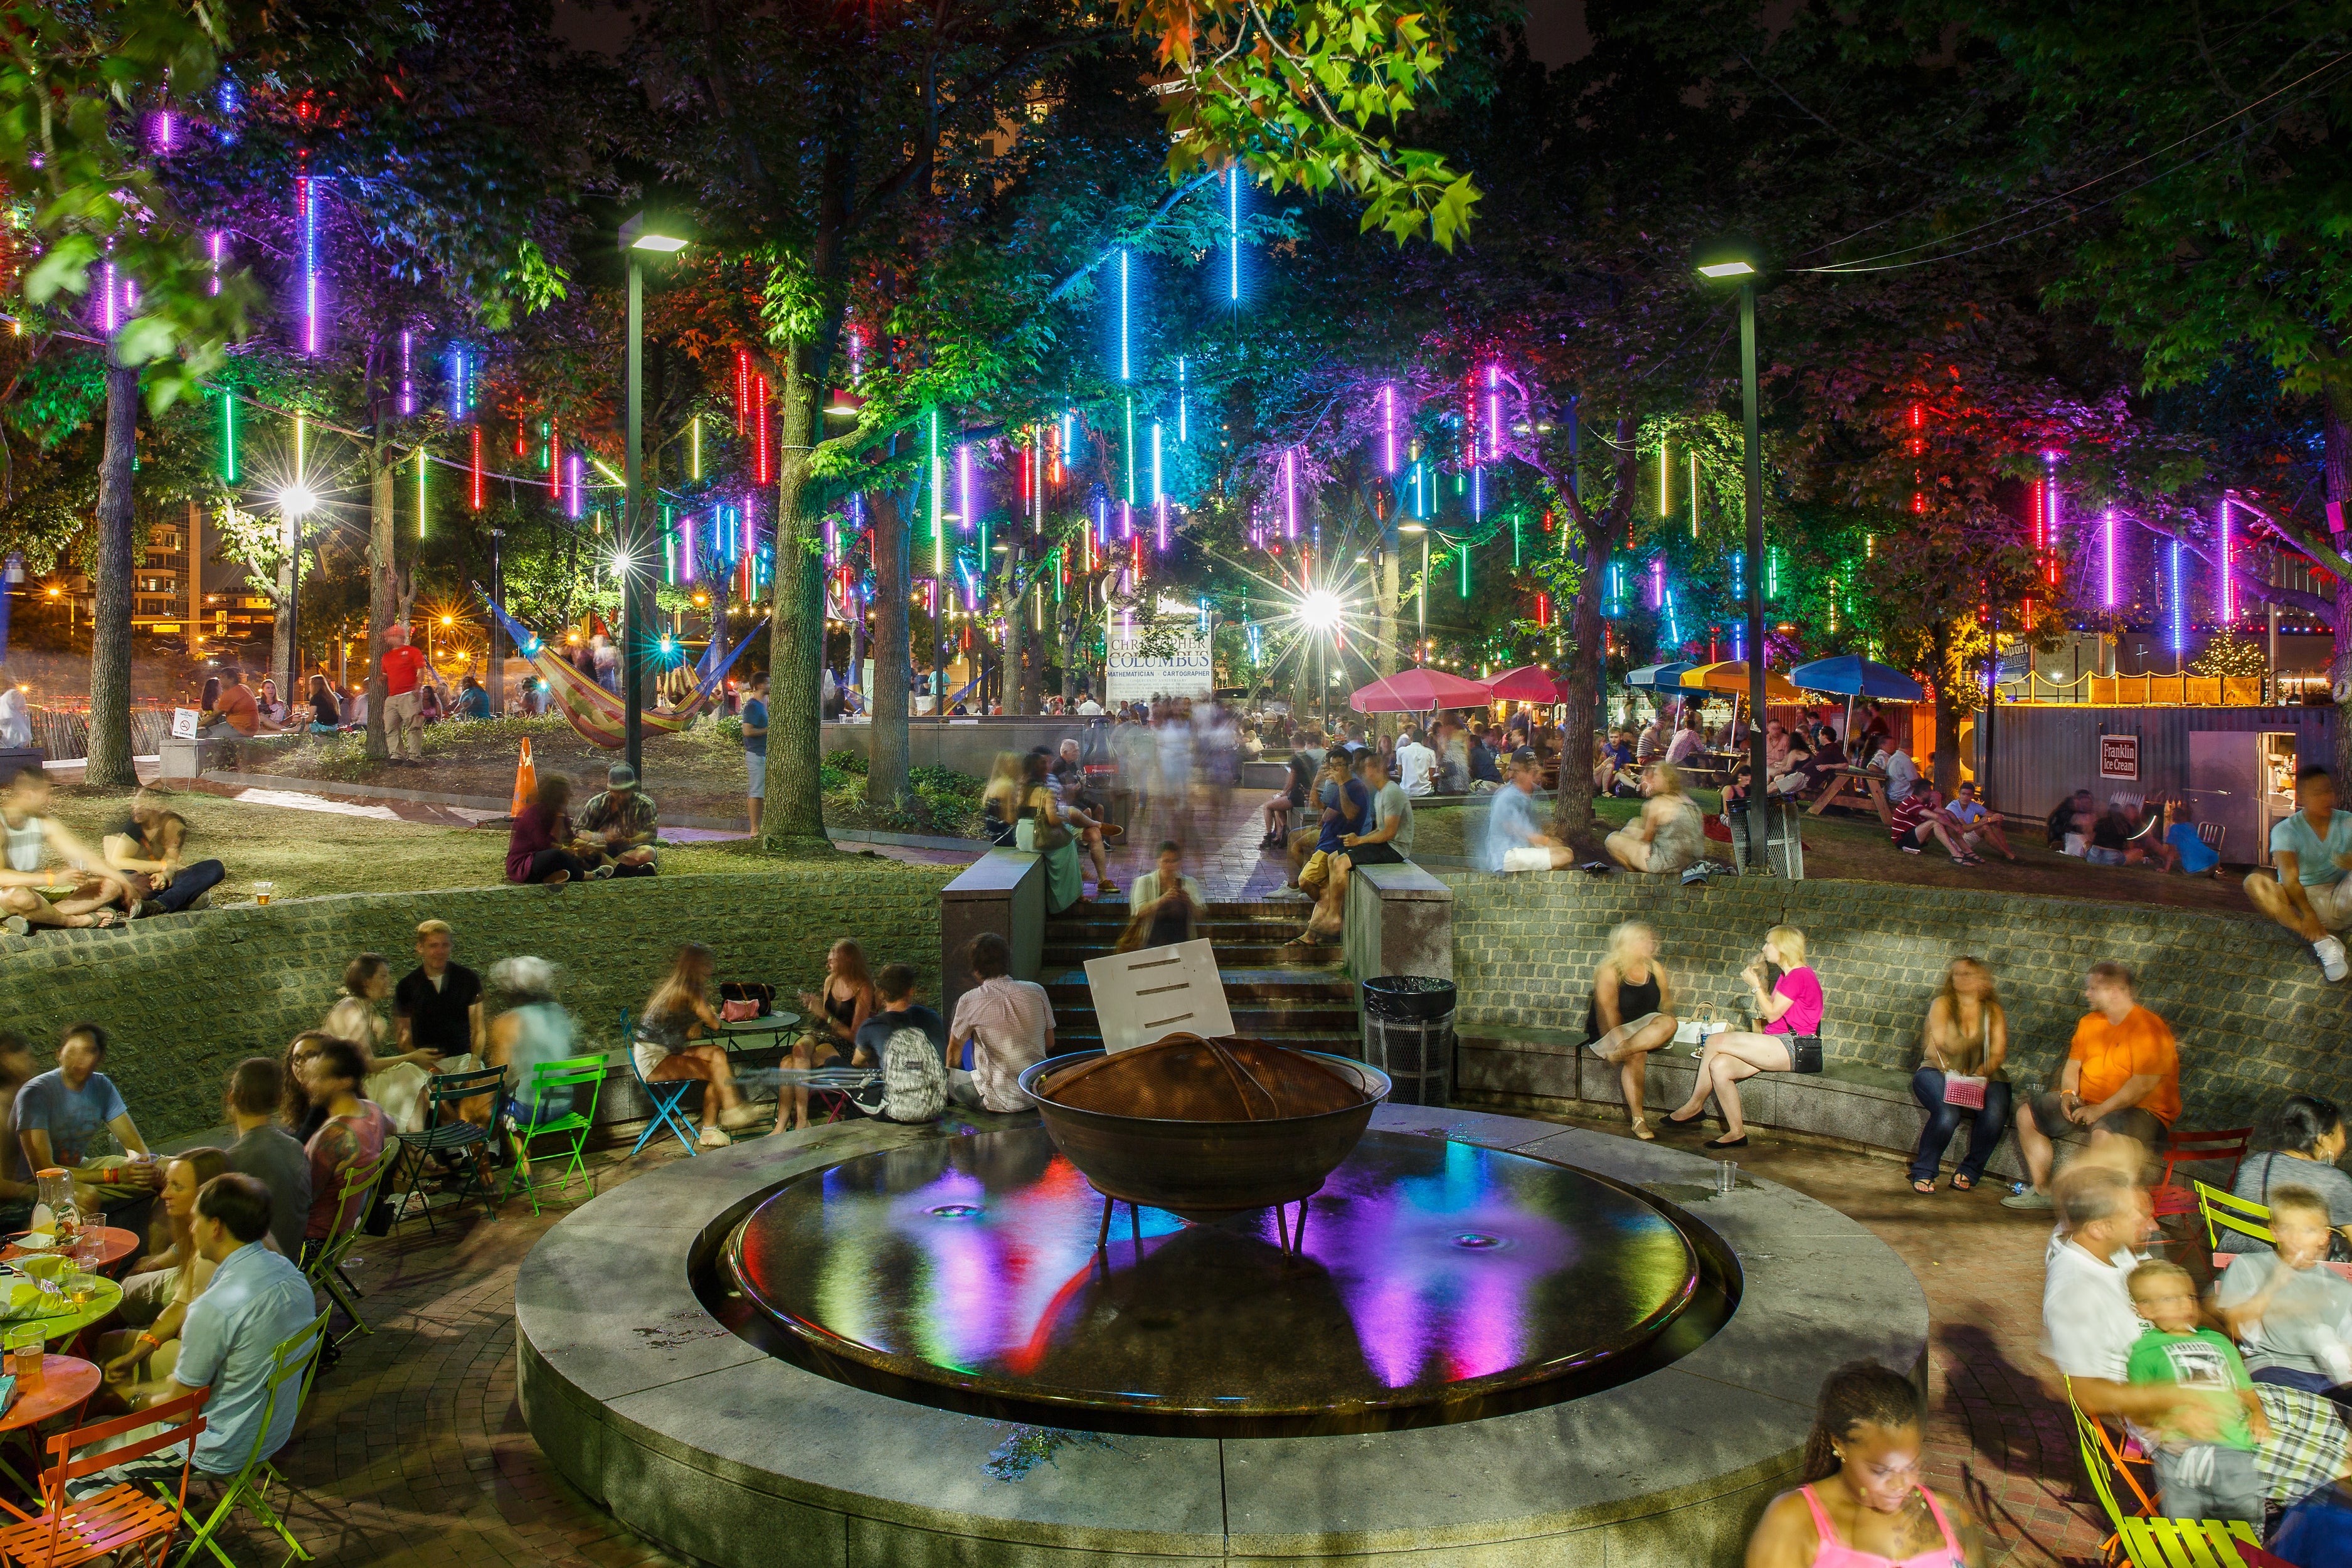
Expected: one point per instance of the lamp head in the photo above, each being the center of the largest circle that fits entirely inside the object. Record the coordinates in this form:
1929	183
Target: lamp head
1730	257
297	500
644	231
844	404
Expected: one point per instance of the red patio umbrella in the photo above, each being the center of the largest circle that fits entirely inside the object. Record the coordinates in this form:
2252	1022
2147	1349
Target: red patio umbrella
1418	691
1529	683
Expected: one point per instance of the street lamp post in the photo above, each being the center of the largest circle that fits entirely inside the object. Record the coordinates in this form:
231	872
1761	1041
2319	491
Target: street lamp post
640	235
295	502
1738	261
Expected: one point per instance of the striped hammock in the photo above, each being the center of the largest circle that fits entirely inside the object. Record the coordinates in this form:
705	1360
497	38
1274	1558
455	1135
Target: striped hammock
596	714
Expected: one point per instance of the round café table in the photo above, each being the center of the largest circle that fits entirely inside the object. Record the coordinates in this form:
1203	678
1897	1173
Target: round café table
115	1244
66	1384
744	1030
65	1325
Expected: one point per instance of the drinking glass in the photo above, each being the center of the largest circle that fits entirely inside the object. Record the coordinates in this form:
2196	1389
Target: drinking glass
81	1289
261	891
28	1344
1727	1175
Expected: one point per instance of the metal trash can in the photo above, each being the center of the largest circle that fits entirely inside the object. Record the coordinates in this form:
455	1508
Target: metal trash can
1409	1035
1784	845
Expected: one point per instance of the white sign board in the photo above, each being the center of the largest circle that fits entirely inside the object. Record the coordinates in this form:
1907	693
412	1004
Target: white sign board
183	723
1134	677
1144	996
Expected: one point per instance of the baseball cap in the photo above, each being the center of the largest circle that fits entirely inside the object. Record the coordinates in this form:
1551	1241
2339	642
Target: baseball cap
620	775
1524	757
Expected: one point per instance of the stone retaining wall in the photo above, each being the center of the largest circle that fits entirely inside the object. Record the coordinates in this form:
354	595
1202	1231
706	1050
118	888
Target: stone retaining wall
2254	1017
186	996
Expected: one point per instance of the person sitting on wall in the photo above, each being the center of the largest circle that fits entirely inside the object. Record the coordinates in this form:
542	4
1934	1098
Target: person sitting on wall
82	894
1631	1013
146	849
2122	1080
1515	838
2312	850
236	713
1967	1036
1001	1028
1347	808
1790	1016
1668	835
1278	807
622	823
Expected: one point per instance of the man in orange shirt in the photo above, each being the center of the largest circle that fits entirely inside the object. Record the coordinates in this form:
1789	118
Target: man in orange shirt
2122	1080
235	715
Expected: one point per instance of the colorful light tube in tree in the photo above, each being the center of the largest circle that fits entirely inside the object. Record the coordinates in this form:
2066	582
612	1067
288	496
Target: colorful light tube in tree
1388	430
421	512
2229	586
1291	494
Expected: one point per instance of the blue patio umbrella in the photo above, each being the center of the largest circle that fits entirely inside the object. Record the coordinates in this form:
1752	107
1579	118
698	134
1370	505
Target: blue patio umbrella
1850	676
1657	677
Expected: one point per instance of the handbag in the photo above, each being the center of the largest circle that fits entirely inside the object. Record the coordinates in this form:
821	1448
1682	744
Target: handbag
1964	1090
1805	1053
737	1012
759	993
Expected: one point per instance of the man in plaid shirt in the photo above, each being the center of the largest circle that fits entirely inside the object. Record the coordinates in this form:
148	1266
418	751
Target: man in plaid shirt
623	818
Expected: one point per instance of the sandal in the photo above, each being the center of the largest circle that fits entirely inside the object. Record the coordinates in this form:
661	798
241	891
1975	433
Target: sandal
1962	1182
1925	1186
104	920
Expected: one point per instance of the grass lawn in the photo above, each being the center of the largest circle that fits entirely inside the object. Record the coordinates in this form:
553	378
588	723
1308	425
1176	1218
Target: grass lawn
1857	849
697	774
307	853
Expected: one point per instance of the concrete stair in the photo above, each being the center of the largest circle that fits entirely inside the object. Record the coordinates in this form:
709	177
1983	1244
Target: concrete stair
1294	995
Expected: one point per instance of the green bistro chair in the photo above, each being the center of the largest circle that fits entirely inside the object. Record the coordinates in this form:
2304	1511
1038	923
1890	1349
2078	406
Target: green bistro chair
454	1135
292	1366
553	1084
353	1198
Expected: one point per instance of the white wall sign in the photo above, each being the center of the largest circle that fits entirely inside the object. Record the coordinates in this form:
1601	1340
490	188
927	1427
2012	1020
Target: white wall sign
1132	676
183	723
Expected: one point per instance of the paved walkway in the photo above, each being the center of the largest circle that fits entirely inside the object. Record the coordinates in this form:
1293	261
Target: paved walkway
413	1455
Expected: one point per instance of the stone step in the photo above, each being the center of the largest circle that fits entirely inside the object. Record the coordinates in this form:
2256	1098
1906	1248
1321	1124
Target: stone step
1082	1036
1247	1019
1236	955
1316	984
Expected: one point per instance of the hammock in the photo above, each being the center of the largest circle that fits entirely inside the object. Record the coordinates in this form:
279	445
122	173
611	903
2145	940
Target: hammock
597	715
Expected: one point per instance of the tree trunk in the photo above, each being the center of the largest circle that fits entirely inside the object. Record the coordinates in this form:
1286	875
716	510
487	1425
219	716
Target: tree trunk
383	589
795	814
885	765
2335	468
1573	821
1390	611
284	658
109	622
1945	764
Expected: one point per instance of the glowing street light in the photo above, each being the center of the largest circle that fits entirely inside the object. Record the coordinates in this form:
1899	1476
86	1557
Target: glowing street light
1321	610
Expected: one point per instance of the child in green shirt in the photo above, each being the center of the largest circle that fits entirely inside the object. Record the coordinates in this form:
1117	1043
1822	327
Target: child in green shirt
2213	1479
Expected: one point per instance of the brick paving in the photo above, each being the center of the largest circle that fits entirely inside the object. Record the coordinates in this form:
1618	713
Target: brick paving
413	1455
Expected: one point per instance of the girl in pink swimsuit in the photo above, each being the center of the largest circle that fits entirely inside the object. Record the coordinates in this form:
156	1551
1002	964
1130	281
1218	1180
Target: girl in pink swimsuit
1862	1463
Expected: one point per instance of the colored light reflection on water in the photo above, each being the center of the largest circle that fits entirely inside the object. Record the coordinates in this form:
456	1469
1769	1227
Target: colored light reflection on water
1429	1269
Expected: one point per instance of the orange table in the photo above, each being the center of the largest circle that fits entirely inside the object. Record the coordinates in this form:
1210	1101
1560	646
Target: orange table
66	1384
115	1244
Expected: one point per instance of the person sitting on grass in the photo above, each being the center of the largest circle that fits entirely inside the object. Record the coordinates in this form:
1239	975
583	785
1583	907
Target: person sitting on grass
538	845
1862	1504
2213	1478
673	1042
622	824
2312	850
1976	821
146	849
162	1286
894	988
2069	827
1631	1013
837	1013
1917	820
83	894
1002	1026
2182	849
1668	835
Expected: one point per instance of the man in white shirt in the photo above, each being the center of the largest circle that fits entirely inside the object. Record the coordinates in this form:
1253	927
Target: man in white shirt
2088	1327
1902	773
1088	707
1008	1025
1416	764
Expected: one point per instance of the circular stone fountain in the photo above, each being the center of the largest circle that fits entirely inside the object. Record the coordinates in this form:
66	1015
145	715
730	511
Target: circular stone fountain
1498	1339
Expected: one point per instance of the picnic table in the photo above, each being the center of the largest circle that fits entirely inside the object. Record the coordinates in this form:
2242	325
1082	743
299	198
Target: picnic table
1874	779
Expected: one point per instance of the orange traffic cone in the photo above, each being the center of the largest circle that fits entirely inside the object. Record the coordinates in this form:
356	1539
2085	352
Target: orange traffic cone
526	782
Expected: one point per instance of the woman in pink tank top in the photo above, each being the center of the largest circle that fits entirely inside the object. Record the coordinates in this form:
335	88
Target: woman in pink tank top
1862	1505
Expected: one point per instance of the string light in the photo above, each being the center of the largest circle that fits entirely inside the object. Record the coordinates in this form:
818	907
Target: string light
421	466
213	243
572	507
2229	587
107	318
1291	494
228	437
1184	414
1131	451
308	209
475	497
1388	430
939	529
1234	233
1493	412
2179	605
1693	494
694	449
2107	594
1124	372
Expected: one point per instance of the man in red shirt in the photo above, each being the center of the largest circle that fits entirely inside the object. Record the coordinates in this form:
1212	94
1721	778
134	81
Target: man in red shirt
403	723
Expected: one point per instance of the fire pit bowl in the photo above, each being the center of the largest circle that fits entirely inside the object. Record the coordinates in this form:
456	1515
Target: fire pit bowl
1206	1128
